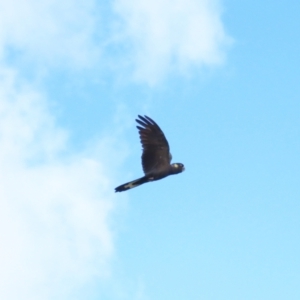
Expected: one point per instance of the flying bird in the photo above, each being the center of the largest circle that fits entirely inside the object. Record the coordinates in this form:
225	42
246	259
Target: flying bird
156	157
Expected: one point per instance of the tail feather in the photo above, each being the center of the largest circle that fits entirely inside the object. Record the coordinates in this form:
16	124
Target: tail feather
131	184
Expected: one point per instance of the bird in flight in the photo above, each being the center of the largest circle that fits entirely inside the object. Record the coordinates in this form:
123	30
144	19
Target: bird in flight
156	157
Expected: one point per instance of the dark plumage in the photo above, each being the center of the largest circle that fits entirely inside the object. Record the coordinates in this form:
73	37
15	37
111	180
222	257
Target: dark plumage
156	157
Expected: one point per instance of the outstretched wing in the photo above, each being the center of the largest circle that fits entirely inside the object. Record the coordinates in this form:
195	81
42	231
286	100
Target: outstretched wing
156	152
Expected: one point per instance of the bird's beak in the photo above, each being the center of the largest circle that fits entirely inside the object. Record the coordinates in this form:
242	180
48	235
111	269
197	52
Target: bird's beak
183	169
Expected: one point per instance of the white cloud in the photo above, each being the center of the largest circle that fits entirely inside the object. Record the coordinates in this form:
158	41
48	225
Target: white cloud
172	35
52	32
54	216
55	205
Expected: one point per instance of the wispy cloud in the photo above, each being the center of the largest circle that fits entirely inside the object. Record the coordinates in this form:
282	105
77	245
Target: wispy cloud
167	36
52	32
56	204
55	208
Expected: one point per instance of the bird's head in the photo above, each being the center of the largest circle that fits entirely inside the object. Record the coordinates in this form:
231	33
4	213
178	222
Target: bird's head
177	168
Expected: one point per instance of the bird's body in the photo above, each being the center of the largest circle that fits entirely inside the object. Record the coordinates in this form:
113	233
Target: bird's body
156	157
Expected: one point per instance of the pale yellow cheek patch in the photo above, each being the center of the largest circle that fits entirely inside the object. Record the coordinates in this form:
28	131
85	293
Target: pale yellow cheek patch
175	165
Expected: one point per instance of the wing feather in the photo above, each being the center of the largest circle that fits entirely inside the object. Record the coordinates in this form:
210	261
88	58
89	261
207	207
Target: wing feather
156	151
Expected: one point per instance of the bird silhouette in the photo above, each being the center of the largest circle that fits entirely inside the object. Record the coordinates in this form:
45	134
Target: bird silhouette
156	157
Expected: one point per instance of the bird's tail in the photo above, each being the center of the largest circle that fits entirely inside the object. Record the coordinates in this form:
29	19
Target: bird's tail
131	184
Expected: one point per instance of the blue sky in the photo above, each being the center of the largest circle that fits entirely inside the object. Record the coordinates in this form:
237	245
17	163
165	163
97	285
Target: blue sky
221	78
